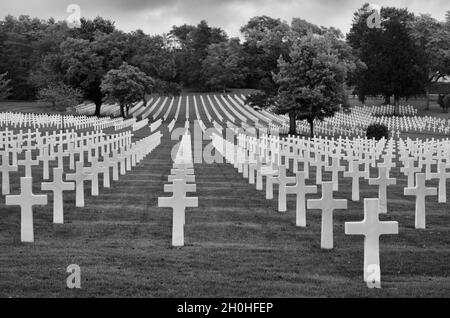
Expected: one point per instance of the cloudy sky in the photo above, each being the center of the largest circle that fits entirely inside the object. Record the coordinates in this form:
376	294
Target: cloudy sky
158	16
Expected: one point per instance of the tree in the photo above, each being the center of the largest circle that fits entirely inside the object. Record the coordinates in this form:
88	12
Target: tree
125	86
61	96
191	48
224	65
312	83
265	41
90	28
432	39
5	90
85	63
393	61
154	56
19	53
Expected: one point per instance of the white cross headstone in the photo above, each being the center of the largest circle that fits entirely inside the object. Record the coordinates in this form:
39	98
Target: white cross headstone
282	181
383	181
93	170
57	187
300	190
420	191
5	169
178	202
318	163
356	174
79	177
26	200
442	175
103	168
28	162
327	204
335	168
410	170
45	157
372	229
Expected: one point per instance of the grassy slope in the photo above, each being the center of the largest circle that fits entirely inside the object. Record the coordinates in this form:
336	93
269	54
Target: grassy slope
26	107
237	244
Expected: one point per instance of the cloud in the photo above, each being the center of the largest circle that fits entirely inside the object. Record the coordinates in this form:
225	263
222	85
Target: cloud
158	16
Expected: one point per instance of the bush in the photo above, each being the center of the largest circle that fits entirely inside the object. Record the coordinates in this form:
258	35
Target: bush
61	96
444	102
377	132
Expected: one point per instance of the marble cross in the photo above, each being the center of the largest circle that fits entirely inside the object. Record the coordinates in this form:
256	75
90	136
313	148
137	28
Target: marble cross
103	168
372	228
383	181
335	168
355	174
57	187
45	157
5	169
28	162
60	154
93	170
442	175
318	163
282	181
26	200
420	191
79	177
410	171
300	189
178	202
114	163
327	204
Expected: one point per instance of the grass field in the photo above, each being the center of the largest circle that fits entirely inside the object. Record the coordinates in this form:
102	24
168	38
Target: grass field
27	107
237	244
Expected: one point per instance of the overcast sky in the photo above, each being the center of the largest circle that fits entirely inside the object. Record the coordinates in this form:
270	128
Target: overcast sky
158	16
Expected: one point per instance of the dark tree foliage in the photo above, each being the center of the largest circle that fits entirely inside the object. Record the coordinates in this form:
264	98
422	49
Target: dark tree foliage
392	59
377	132
191	49
89	28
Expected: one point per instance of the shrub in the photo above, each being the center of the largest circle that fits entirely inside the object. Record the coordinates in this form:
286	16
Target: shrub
61	96
444	102
377	132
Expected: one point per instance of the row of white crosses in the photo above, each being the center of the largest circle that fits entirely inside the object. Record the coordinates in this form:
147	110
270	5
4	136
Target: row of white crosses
403	110
182	180
114	149
419	159
140	124
124	124
89	109
56	121
263	157
355	122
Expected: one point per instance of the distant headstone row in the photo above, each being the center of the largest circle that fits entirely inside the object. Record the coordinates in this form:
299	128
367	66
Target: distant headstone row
89	154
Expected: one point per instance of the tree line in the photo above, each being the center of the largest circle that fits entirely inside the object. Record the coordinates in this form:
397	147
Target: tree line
299	68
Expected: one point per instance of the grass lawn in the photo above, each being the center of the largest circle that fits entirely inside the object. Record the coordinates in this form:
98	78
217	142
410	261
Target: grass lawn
27	107
237	244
